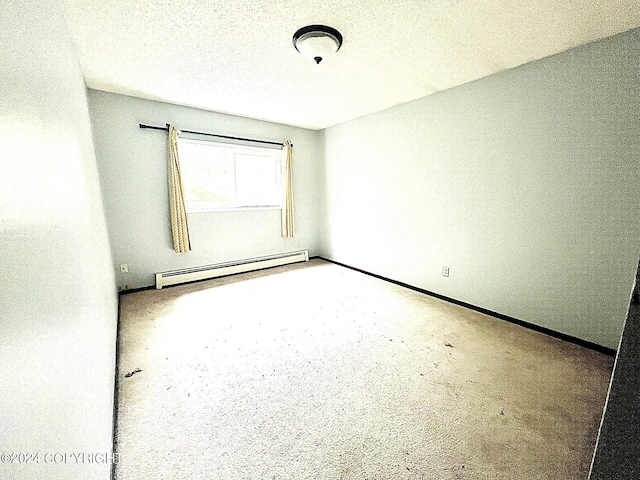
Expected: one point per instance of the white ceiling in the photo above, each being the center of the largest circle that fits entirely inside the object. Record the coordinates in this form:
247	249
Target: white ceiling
236	56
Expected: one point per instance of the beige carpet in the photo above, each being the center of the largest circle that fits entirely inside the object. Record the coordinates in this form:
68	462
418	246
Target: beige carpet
314	371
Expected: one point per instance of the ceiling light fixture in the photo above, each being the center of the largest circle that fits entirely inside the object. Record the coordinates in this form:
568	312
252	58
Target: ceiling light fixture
317	42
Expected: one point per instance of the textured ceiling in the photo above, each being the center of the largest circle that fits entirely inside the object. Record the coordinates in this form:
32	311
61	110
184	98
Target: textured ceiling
236	56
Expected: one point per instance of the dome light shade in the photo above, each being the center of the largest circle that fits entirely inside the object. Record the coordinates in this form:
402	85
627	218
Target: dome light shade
317	42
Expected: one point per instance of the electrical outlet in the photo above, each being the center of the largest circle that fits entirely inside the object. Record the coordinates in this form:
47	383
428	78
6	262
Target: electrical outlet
124	268
445	271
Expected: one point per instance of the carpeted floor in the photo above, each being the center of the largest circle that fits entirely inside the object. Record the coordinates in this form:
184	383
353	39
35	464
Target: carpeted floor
314	371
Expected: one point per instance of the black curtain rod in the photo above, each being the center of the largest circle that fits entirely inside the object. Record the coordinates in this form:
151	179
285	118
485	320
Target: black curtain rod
166	129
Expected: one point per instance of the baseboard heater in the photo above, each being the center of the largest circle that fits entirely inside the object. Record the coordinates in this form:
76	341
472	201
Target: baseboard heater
176	277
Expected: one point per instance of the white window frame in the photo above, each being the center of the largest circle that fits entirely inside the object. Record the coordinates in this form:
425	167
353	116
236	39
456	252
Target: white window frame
274	153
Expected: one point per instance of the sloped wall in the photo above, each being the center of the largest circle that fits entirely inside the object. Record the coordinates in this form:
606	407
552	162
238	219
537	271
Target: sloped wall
58	302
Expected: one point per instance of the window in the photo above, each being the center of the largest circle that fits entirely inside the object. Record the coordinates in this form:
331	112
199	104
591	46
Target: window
219	176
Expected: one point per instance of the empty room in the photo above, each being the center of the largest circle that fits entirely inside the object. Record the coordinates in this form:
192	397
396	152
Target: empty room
319	240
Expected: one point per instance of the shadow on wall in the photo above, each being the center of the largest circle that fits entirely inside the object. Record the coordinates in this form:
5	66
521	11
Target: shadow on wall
635	296
616	456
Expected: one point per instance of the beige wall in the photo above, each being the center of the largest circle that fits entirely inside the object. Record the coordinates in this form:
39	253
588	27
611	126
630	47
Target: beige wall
524	184
133	174
58	303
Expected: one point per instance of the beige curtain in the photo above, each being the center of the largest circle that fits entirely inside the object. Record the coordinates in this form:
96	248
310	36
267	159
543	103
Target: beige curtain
288	226
179	224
